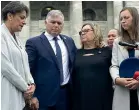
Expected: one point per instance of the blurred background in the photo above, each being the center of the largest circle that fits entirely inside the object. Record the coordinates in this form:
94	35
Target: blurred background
103	13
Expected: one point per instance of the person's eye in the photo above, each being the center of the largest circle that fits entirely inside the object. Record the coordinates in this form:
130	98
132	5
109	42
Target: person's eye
127	17
22	17
84	30
59	23
53	22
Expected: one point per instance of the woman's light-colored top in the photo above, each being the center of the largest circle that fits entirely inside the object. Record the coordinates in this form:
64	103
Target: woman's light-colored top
121	99
15	73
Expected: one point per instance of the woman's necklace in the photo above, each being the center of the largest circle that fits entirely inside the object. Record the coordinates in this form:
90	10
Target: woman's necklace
91	53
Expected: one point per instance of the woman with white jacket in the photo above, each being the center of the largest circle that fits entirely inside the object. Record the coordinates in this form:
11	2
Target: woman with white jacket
126	93
16	80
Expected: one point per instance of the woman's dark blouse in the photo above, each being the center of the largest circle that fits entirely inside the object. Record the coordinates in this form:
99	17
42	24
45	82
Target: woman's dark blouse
92	84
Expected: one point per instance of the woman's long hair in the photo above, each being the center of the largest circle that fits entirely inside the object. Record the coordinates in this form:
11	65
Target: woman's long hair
135	26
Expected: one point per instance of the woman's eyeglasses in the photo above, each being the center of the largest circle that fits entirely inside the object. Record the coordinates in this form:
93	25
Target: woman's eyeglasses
84	31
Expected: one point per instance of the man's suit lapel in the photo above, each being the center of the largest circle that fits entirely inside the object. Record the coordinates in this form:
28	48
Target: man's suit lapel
48	47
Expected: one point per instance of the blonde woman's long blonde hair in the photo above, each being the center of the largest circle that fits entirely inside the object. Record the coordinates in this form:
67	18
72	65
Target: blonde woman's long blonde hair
98	38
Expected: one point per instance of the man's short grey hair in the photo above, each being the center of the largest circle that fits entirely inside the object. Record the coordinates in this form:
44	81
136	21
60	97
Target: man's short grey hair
54	13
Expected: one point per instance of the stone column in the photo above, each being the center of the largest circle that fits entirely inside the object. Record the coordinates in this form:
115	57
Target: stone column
117	6
75	21
132	4
110	18
25	33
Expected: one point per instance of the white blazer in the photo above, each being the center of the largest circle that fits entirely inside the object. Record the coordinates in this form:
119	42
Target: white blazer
15	73
121	99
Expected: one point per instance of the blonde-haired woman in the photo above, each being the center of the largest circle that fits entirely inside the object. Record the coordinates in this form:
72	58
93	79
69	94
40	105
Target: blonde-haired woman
92	84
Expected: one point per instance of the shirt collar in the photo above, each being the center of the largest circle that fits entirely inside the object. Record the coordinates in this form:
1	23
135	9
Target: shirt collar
50	37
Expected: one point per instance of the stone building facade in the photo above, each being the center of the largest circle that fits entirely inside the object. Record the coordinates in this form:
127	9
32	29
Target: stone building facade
103	13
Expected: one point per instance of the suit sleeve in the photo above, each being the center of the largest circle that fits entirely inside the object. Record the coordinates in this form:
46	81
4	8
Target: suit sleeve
8	71
74	46
32	54
114	68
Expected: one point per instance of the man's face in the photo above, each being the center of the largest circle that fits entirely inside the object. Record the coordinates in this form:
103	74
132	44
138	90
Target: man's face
111	36
54	25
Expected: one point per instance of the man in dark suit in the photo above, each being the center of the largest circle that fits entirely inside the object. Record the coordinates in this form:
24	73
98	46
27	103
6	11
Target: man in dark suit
51	56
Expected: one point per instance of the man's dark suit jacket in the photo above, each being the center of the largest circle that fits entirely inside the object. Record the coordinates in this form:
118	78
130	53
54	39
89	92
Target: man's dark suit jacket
44	67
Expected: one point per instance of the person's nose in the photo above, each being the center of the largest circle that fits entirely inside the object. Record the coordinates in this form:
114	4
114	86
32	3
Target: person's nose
56	24
110	38
123	21
24	22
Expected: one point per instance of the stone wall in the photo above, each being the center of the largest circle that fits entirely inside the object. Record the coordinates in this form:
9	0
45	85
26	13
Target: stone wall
38	26
37	6
100	8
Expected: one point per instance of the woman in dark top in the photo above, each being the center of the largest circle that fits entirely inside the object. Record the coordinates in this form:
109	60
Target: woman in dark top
126	93
92	84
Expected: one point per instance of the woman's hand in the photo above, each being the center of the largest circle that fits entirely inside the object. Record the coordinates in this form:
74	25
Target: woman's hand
30	91
102	44
123	81
134	84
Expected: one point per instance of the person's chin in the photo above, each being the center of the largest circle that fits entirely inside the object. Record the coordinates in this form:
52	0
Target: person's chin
55	34
84	40
19	30
110	43
125	28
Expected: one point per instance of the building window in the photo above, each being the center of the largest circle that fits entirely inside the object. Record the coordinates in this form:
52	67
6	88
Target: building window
45	11
89	15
